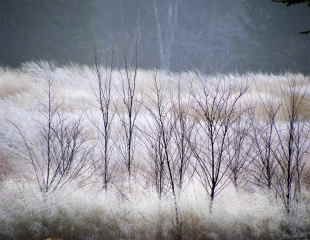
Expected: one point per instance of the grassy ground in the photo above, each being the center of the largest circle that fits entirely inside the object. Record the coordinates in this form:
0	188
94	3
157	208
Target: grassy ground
82	210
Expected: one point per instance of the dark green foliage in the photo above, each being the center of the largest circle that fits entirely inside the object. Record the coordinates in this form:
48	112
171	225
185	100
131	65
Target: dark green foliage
293	2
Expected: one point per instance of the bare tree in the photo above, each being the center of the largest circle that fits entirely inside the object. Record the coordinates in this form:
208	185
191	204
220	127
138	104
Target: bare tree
263	140
239	149
152	139
132	106
169	119
215	116
104	88
60	150
292	136
153	143
166	34
182	133
164	121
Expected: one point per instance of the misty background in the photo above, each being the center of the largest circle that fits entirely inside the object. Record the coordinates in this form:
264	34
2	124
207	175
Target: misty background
211	36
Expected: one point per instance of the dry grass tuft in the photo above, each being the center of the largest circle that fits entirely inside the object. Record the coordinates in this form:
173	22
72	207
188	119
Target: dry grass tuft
5	168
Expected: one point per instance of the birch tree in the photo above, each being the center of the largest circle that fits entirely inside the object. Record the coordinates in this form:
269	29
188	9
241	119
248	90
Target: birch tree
166	31
104	100
59	152
215	115
292	136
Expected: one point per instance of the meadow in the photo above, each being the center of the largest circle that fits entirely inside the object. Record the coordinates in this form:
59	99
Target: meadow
104	153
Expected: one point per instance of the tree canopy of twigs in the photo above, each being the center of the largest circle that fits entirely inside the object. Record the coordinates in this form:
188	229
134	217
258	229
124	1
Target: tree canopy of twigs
216	113
104	99
60	151
293	144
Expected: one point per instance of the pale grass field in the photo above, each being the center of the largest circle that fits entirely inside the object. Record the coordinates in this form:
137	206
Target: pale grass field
83	211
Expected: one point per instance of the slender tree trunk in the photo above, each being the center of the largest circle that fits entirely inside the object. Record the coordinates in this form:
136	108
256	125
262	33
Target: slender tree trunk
211	204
